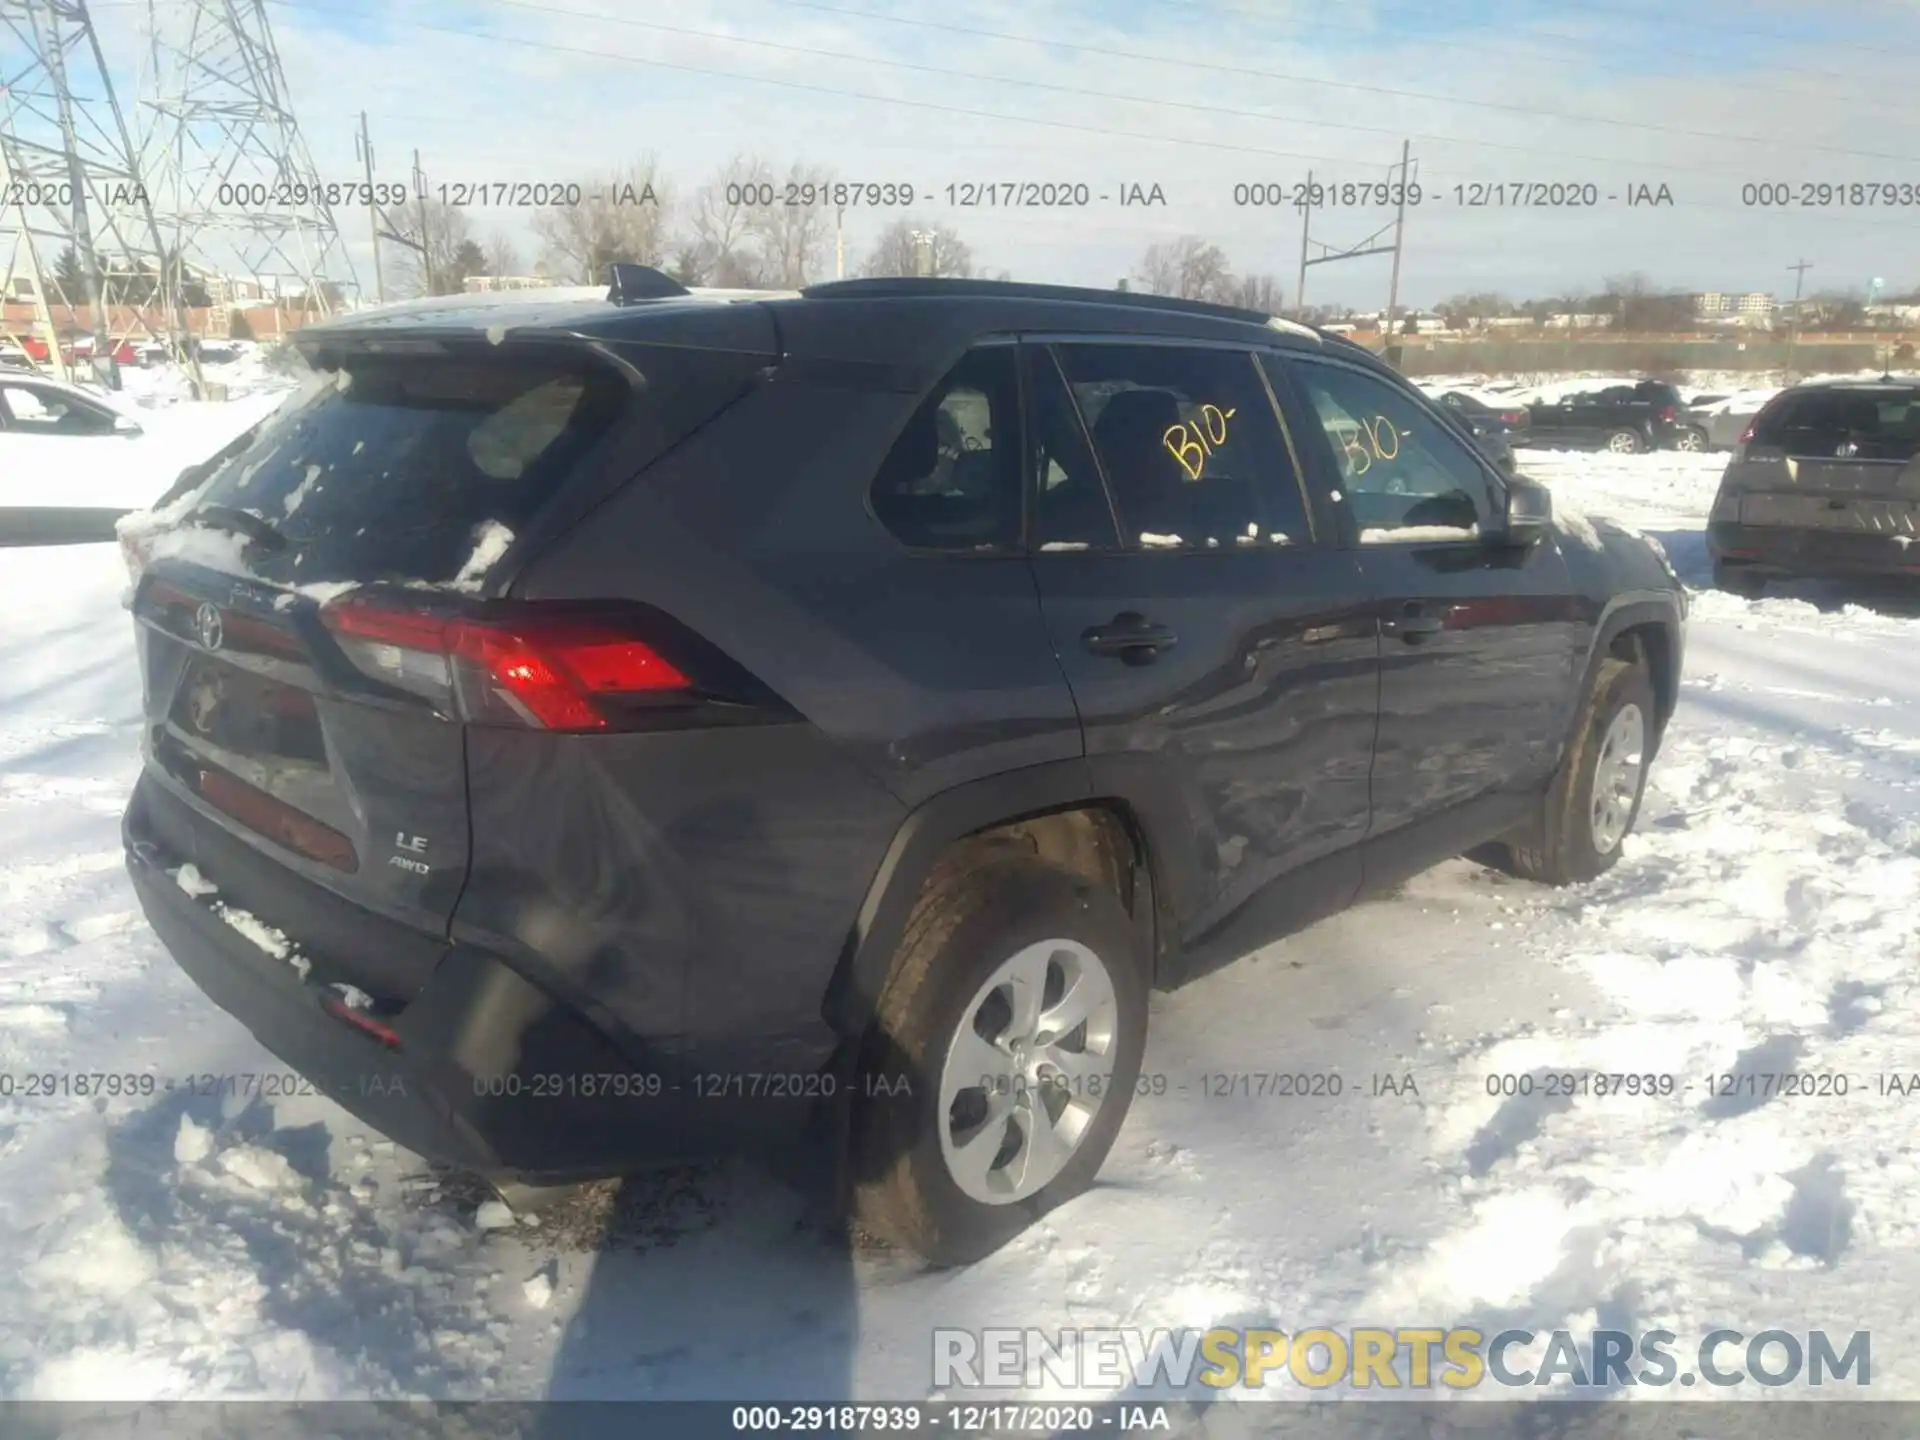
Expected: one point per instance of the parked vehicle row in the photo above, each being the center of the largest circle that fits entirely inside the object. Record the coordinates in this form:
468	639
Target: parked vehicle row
676	724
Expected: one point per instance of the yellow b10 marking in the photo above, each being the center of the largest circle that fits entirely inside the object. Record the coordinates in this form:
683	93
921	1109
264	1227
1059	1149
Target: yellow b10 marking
1359	457
1193	445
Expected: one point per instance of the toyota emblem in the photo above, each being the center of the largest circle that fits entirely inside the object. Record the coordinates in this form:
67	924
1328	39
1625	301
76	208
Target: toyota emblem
207	627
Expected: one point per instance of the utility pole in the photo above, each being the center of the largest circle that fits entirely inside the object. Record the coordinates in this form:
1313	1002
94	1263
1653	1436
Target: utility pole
1306	220
364	143
1793	326
1369	246
1399	231
426	250
840	243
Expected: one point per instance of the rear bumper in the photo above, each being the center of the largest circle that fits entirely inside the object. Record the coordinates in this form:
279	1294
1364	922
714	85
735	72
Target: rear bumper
1816	554
490	1072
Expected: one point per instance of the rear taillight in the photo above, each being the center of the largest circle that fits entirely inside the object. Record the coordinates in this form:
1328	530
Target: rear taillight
1513	417
551	673
1668	413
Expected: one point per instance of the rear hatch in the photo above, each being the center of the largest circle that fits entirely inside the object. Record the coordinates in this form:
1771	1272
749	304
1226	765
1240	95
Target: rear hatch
322	618
1841	460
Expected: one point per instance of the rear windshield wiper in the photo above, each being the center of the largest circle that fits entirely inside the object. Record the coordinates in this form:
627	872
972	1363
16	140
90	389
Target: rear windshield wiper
240	522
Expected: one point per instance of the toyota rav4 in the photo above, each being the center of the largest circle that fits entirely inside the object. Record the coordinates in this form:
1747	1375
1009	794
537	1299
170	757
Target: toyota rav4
583	729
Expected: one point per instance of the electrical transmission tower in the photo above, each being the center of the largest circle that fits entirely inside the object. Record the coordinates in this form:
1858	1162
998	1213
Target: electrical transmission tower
70	180
234	184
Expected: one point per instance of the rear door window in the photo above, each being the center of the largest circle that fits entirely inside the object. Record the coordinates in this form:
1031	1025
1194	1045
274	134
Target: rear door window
1189	444
403	467
1070	506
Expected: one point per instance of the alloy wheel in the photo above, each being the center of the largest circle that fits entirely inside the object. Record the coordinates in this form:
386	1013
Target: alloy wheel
1616	778
1028	1071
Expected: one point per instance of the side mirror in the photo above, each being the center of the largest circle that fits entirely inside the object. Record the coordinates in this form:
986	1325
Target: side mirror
124	425
1529	515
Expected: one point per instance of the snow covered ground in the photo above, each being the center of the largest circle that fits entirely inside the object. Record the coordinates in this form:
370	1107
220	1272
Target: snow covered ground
184	1244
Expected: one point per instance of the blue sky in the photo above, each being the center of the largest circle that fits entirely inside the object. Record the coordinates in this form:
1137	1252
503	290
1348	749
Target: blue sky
1194	95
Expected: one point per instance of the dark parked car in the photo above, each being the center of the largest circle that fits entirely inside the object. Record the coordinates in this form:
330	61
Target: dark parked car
1625	419
831	715
1825	483
1492	428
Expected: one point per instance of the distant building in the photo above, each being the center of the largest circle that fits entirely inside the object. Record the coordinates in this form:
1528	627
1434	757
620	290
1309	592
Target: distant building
1565	321
1720	303
481	284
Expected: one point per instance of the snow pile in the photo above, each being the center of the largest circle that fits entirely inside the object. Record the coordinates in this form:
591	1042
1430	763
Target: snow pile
490	542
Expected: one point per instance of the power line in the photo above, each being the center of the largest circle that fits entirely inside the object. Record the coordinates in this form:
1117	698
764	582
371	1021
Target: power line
1581	43
1251	73
1676	17
814	88
537	7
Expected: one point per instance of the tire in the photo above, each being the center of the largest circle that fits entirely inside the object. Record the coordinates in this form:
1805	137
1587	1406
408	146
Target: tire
968	925
1625	442
1738	580
1691	439
1569	845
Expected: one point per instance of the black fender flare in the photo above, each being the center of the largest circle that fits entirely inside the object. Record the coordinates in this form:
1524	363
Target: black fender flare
1626	611
932	827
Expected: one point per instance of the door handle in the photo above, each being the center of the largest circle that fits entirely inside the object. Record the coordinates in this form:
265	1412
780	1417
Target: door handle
1413	623
1130	636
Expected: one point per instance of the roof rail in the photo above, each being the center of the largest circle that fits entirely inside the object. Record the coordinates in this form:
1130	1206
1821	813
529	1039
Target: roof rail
906	287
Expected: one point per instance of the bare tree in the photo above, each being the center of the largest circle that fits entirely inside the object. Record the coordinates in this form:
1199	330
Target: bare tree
1257	292
792	240
1190	268
503	256
468	260
1459	310
914	247
727	219
435	231
621	218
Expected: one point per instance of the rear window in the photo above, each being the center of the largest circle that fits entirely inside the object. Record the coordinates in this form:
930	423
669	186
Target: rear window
1865	424
403	467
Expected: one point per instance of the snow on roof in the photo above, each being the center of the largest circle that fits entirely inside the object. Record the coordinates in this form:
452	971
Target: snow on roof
489	300
1288	327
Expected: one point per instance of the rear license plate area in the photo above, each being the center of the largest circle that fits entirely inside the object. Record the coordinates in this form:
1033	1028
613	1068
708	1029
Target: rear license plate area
248	714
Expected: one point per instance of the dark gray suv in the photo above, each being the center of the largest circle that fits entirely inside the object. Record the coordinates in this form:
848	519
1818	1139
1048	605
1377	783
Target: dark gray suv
586	731
1825	483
